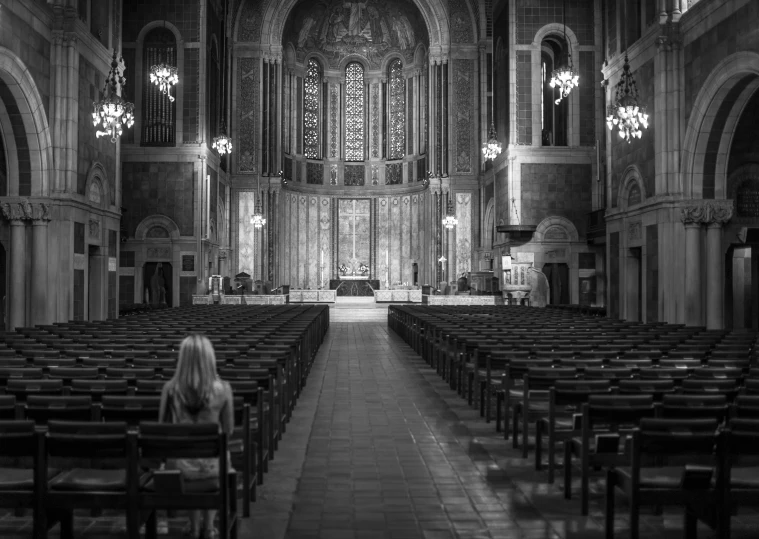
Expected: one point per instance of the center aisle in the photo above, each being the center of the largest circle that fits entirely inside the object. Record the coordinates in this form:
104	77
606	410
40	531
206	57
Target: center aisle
384	457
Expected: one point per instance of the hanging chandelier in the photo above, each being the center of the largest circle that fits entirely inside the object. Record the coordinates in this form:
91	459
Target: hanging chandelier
112	111
492	148
222	143
627	114
565	77
450	221
258	220
164	76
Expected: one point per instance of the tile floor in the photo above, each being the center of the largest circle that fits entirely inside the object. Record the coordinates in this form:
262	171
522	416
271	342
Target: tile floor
380	447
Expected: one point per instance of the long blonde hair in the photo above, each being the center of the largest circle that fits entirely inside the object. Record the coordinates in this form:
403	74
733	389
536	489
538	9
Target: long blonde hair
193	381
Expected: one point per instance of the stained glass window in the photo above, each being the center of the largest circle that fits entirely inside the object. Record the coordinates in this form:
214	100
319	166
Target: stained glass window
354	112
311	100
397	120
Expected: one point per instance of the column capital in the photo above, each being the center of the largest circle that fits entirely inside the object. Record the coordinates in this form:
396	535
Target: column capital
707	211
24	210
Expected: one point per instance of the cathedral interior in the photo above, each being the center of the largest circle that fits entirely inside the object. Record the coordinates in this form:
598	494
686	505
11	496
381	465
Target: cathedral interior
600	156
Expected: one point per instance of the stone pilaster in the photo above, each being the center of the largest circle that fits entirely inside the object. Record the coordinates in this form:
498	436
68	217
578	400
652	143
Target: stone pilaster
40	218
698	269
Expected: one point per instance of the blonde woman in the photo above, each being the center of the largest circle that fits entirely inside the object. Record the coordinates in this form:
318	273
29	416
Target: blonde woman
196	394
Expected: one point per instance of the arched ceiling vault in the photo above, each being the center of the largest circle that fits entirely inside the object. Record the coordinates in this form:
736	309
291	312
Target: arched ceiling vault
263	22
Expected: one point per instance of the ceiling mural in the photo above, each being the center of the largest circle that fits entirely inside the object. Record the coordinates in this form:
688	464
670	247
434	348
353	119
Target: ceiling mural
369	28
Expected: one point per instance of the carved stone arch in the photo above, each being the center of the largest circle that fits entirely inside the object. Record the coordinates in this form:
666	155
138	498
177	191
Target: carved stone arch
34	132
388	59
290	57
632	182
97	179
420	55
141	78
265	24
573	119
350	59
713	119
555	224
156	221
319	57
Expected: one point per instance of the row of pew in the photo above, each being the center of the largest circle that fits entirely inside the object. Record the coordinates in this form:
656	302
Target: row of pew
83	399
669	412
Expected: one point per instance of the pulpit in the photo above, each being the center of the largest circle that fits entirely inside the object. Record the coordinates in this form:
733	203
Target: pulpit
216	288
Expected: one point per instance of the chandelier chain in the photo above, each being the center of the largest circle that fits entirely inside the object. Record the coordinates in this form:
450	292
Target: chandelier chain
492	148
222	143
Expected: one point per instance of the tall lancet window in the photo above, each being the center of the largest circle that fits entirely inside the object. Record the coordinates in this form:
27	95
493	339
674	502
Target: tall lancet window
354	112
397	120
158	111
311	101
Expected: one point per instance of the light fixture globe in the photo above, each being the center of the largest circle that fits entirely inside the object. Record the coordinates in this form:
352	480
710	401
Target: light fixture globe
492	148
565	79
112	111
164	76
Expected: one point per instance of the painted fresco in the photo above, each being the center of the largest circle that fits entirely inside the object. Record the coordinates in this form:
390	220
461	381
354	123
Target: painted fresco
370	28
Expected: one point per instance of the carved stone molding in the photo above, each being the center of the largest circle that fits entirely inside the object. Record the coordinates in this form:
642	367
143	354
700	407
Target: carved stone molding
706	212
94	226
25	211
634	231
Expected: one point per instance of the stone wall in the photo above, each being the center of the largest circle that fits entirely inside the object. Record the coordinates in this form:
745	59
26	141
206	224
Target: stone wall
91	148
158	188
551	189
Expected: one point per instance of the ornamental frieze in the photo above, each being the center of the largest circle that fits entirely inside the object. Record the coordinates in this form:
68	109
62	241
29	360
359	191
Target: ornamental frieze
708	211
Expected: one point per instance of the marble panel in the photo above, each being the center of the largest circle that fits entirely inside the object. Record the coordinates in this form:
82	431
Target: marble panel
313	253
310	296
415	231
463	233
201	300
395	239
296	296
383	295
327	296
407	275
245	232
383	245
231	300
415	296
325	243
302	241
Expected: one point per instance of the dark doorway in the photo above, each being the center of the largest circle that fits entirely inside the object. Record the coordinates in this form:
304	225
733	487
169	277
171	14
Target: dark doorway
634	286
157	280
558	280
95	288
415	268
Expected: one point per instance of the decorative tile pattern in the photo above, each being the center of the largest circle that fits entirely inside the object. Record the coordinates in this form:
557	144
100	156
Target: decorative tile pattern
246	233
393	173
354	174
315	173
463	234
464	89
247	105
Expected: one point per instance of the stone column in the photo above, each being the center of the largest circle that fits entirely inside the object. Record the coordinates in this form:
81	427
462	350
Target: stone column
713	213
720	212
714	279
17	213
693	288
40	284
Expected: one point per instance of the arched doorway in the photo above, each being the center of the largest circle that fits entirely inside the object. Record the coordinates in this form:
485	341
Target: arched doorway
157	277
